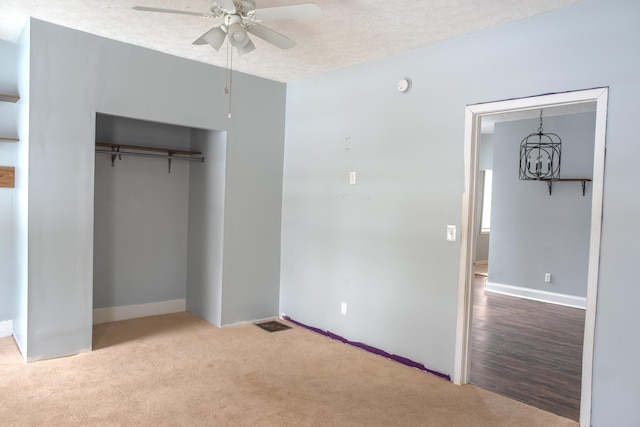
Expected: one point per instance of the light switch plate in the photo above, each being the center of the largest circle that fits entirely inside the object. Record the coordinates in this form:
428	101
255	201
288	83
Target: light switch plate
343	308
451	233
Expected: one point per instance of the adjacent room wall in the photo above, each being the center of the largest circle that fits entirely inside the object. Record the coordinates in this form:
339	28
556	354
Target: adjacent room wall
533	233
141	216
8	128
380	245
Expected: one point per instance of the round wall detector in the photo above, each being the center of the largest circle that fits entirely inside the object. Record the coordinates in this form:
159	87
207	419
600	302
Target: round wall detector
404	84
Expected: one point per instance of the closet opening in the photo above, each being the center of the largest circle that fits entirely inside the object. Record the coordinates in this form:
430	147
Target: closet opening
158	215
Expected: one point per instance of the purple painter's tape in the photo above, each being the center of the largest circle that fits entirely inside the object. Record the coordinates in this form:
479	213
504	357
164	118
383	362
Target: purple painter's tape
370	349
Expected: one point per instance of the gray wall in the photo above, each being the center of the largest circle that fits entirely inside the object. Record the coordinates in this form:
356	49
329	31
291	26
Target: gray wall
533	233
485	160
141	216
9	69
206	226
72	76
380	245
482	247
8	128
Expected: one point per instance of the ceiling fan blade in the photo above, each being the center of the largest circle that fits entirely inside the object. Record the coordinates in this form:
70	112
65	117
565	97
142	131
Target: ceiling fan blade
179	12
271	36
227	5
296	11
214	37
246	48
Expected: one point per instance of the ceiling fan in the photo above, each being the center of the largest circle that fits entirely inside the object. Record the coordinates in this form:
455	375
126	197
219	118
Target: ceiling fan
240	17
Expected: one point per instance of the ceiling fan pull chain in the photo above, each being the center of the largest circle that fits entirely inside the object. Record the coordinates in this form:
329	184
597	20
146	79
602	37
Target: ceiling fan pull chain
226	73
230	79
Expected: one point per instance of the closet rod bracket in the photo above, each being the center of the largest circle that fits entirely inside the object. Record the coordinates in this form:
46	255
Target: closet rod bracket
113	156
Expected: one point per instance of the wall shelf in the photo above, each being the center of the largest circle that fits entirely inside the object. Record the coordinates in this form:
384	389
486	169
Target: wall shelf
13	99
118	150
581	180
9	98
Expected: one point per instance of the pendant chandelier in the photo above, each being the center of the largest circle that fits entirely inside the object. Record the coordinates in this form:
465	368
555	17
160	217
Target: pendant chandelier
540	156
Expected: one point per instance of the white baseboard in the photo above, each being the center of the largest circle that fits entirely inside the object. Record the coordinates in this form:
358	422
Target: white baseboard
6	328
124	312
537	295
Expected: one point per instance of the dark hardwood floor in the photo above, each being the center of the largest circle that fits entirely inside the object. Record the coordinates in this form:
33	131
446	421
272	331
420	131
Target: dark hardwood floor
527	350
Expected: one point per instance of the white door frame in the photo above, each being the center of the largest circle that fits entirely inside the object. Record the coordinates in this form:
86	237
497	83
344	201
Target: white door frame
470	219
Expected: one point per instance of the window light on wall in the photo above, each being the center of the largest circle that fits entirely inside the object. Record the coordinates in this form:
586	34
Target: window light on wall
485	220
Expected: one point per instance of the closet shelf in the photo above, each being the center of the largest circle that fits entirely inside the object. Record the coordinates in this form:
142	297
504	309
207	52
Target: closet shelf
9	98
118	150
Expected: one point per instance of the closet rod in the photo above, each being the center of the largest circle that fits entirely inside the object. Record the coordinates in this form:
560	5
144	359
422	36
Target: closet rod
158	156
168	157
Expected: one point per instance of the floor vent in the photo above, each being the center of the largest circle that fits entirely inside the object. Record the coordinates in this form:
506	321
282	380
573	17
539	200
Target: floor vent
272	326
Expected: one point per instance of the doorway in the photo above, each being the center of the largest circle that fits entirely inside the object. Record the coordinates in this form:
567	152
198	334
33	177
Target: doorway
471	217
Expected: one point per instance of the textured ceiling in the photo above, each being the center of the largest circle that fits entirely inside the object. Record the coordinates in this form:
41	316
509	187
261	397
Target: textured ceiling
349	32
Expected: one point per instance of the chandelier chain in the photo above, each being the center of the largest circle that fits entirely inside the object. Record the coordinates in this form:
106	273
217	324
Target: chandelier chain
540	128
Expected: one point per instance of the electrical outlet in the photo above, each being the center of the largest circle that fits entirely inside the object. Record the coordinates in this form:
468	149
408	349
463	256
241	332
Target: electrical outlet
547	277
343	309
352	177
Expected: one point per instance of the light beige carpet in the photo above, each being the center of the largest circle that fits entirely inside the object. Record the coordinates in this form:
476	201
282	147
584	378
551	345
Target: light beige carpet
178	370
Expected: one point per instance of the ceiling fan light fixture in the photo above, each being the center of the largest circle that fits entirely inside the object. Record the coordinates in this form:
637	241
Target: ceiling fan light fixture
215	37
240	17
246	48
238	36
